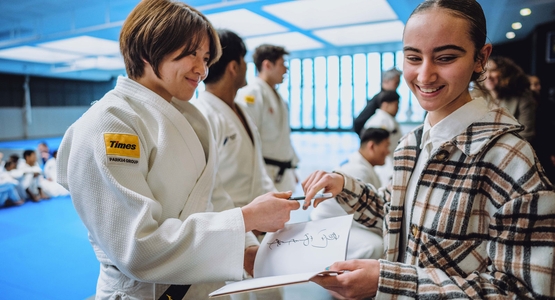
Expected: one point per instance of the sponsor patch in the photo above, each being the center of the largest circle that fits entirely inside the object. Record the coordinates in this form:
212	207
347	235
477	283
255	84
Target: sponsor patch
122	148
249	99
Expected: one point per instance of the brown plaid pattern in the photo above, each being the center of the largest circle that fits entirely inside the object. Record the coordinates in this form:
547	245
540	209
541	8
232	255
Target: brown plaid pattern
485	228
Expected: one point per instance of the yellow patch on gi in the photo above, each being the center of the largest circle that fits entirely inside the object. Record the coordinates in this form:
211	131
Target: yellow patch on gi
249	99
122	144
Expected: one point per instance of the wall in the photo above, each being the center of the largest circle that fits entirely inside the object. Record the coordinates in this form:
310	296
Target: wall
55	104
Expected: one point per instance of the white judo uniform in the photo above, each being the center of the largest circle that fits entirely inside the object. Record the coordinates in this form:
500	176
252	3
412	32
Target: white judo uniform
271	116
241	165
384	120
364	242
141	173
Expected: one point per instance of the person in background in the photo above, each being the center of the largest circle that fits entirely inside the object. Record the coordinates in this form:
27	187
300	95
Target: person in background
364	242
535	87
241	165
469	212
390	82
140	165
44	153
31	181
9	194
385	118
270	114
48	183
509	87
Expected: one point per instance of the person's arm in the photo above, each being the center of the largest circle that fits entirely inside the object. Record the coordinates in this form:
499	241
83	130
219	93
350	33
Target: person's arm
125	219
519	243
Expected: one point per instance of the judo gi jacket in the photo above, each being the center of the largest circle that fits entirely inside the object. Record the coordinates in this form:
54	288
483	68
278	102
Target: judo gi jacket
141	172
241	165
271	116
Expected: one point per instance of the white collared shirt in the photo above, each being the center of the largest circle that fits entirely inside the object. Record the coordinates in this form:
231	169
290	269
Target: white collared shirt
432	139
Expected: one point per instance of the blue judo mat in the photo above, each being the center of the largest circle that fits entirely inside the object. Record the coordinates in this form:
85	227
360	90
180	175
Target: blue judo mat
44	247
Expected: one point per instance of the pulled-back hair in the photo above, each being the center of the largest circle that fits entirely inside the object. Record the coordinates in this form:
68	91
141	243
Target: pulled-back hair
156	28
233	48
469	10
267	52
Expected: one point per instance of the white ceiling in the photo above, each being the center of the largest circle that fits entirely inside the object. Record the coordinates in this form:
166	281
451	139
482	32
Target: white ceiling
78	39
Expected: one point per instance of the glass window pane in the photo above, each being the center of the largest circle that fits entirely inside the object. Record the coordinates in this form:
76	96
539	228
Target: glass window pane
346	109
333	92
321	95
359	80
295	93
307	94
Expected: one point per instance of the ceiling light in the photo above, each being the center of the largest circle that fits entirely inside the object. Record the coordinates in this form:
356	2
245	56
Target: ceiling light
84	45
313	14
291	41
38	55
525	12
510	35
245	23
363	34
516	25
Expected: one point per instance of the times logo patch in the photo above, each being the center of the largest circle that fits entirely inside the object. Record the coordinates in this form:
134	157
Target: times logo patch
122	148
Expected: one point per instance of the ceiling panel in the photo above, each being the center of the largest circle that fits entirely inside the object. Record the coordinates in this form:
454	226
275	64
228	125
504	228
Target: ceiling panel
65	38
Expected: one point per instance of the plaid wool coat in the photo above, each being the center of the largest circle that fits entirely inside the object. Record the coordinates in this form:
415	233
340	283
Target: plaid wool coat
485	228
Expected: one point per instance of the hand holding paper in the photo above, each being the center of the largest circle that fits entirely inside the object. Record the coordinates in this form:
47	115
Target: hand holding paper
295	254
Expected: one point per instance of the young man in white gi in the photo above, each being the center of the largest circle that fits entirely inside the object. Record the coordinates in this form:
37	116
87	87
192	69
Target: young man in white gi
364	242
241	165
271	115
140	167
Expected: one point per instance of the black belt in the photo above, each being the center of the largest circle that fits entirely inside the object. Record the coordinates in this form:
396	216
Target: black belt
175	292
282	165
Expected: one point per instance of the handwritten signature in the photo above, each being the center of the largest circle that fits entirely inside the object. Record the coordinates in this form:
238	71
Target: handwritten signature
308	240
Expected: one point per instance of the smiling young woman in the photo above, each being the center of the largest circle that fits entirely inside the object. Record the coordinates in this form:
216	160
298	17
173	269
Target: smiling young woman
469	212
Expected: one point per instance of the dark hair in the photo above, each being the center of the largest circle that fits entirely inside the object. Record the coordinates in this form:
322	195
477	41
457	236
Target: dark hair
381	97
376	135
267	52
14	158
469	10
28	153
156	28
10	165
512	79
388	96
233	48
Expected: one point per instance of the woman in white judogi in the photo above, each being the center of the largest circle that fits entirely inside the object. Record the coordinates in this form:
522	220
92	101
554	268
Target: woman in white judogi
140	167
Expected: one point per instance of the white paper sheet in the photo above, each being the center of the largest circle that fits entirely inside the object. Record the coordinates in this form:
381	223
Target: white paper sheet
295	254
303	247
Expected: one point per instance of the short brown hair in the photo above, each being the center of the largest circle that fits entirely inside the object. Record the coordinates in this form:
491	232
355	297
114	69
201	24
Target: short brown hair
156	28
267	52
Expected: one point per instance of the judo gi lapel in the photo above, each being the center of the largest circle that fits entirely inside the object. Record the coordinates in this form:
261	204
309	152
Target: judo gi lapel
196	131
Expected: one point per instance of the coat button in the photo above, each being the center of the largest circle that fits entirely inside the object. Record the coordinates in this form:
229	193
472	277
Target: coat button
441	156
414	230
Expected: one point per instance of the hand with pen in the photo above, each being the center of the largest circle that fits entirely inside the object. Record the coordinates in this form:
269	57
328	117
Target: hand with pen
354	279
331	183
